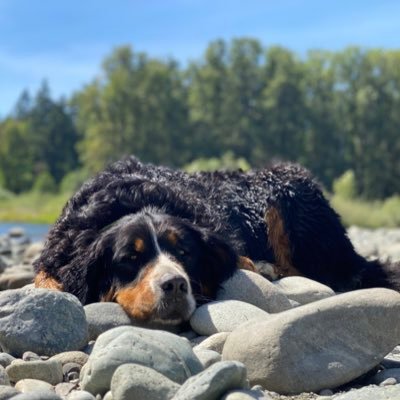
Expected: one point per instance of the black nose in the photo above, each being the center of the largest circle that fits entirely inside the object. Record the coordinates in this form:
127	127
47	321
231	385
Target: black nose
174	285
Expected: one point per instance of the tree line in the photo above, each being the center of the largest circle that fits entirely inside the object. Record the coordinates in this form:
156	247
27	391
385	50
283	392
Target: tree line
330	111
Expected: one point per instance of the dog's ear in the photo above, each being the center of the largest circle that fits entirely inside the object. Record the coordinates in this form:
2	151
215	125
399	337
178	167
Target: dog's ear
98	260
218	262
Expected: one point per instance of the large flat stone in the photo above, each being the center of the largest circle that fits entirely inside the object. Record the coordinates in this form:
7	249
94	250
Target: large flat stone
319	345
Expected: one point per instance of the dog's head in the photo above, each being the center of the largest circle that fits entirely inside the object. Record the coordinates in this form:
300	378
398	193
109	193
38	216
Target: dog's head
158	266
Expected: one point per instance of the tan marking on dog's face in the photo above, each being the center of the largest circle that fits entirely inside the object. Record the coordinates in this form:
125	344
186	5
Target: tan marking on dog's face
279	241
246	263
138	301
172	238
42	280
139	245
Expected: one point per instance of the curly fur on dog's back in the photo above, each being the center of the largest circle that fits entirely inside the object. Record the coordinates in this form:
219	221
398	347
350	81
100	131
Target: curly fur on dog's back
277	215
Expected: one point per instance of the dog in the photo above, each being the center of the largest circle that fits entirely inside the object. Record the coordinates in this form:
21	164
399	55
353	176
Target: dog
160	241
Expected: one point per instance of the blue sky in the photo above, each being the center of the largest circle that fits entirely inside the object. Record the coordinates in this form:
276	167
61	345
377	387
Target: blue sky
65	41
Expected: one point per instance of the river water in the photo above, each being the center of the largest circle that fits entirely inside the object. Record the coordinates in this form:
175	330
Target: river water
35	232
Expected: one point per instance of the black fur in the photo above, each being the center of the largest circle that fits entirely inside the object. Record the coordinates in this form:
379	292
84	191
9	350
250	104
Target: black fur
226	210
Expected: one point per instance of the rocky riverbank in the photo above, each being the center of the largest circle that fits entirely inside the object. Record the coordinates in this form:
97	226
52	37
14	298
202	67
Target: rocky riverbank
290	339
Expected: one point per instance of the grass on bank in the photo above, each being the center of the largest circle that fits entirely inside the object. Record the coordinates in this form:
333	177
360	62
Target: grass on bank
32	207
45	208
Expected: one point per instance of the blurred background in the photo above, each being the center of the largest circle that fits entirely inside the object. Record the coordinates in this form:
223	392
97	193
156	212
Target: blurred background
200	85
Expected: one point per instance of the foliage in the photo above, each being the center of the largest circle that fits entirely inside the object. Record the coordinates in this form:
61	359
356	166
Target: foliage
332	112
370	214
45	183
345	185
227	161
73	180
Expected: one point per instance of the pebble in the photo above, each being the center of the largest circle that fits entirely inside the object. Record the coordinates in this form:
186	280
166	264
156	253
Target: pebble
133	381
165	352
32	385
388	382
63	389
38	395
4	379
15	280
214	342
214	382
43	321
30	356
49	371
246	395
7	392
385	374
207	357
249	287
6	359
78	357
103	316
224	316
355	330
71	371
372	393
303	290
80	395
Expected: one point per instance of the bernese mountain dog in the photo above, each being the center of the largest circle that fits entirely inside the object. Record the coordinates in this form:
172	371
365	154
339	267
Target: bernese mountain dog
159	241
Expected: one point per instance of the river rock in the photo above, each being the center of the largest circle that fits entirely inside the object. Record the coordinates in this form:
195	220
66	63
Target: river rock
103	316
7	392
246	395
81	395
15	279
40	320
213	382
319	345
133	381
6	359
214	342
32	385
372	393
49	371
385	374
38	395
4	380
253	288
165	352
78	357
303	290
224	316
32	252
207	357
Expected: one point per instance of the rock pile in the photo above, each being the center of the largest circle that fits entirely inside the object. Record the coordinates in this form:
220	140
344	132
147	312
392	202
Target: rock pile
290	339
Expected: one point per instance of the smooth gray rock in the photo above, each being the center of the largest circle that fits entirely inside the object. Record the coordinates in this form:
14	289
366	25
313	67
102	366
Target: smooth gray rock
4	380
303	290
214	342
33	385
372	393
246	395
253	288
81	395
6	359
66	357
319	345
133	381
165	352
40	320
38	395
207	357
63	389
15	280
49	371
104	316
224	316
214	382
7	392
385	374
